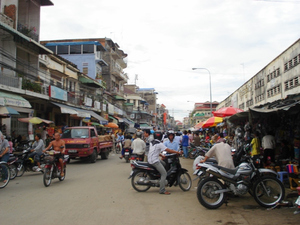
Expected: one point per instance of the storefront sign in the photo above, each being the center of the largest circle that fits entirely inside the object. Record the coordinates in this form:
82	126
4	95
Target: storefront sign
57	93
88	101
97	105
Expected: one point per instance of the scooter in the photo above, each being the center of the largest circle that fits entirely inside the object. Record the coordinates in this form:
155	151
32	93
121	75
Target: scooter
127	154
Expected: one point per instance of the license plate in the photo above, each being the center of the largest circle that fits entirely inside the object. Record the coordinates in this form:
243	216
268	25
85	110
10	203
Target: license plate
72	151
126	153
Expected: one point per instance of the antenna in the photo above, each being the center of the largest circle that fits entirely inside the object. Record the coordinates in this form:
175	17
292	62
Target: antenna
135	79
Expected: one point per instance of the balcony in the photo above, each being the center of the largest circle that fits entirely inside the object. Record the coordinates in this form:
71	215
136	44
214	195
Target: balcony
11	81
73	99
5	19
28	31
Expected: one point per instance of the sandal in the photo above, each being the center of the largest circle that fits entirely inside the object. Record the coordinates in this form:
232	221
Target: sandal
62	174
165	193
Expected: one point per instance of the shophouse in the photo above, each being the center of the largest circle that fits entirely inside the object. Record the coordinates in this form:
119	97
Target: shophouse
20	77
101	60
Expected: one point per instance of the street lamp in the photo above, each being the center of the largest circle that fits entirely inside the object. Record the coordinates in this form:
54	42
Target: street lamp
209	86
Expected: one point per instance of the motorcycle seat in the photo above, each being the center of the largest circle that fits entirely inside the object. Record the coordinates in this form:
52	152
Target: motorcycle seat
146	164
232	171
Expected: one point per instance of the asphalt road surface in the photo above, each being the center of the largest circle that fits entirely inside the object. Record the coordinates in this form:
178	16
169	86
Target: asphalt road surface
100	193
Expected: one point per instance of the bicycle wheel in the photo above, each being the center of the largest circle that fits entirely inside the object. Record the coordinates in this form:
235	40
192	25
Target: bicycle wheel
4	175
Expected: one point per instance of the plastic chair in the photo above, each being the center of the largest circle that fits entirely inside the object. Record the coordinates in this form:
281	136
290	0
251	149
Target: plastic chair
283	175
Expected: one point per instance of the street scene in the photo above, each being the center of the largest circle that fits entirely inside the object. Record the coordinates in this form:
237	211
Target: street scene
116	112
101	193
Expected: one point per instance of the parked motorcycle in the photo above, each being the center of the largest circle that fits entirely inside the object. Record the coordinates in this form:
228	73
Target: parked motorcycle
197	151
144	175
216	181
53	168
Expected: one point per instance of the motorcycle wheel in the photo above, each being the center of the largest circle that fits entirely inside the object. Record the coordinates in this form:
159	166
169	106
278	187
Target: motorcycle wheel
118	149
192	155
268	191
140	176
185	181
127	159
21	170
3	168
62	178
206	197
13	171
47	177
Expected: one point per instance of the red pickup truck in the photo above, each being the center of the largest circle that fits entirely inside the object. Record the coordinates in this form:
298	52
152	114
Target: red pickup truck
85	143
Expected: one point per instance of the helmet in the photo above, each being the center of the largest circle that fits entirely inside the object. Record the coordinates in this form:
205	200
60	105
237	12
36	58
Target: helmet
157	135
170	132
151	131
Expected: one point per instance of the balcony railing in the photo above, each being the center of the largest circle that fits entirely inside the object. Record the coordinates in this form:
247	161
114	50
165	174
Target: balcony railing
5	19
28	31
11	81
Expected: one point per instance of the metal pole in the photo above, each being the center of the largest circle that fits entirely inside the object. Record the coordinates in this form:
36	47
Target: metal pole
209	86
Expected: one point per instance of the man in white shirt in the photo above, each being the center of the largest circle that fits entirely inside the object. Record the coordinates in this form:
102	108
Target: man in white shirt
268	143
138	146
156	147
222	152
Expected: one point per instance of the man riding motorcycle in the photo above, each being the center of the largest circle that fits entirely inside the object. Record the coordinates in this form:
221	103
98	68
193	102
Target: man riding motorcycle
138	146
156	147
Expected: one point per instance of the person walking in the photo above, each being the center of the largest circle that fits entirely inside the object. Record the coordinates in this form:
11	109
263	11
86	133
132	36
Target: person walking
196	139
185	144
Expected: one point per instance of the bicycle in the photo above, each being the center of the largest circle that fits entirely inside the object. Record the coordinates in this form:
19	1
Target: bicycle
4	174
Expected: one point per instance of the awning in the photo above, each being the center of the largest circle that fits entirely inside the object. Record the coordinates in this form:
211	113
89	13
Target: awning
31	43
128	121
117	97
80	112
13	100
89	82
283	107
98	117
65	108
119	119
113	118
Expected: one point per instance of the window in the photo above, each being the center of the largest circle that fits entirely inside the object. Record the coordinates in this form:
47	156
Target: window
75	49
285	67
93	134
52	48
85	70
88	49
62	49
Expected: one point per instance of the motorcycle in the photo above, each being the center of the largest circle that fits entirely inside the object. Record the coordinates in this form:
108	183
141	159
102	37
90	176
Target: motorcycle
53	168
197	151
216	181
298	201
127	154
144	176
26	163
118	147
13	166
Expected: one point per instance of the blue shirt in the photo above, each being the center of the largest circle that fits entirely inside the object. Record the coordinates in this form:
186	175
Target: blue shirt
172	145
185	140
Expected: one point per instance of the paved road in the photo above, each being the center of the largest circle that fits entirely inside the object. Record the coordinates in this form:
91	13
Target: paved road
100	193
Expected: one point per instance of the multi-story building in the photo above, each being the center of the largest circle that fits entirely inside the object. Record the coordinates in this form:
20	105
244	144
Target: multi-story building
278	80
201	112
20	77
102	60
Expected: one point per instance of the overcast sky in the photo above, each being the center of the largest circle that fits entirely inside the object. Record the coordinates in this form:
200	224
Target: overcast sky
165	39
